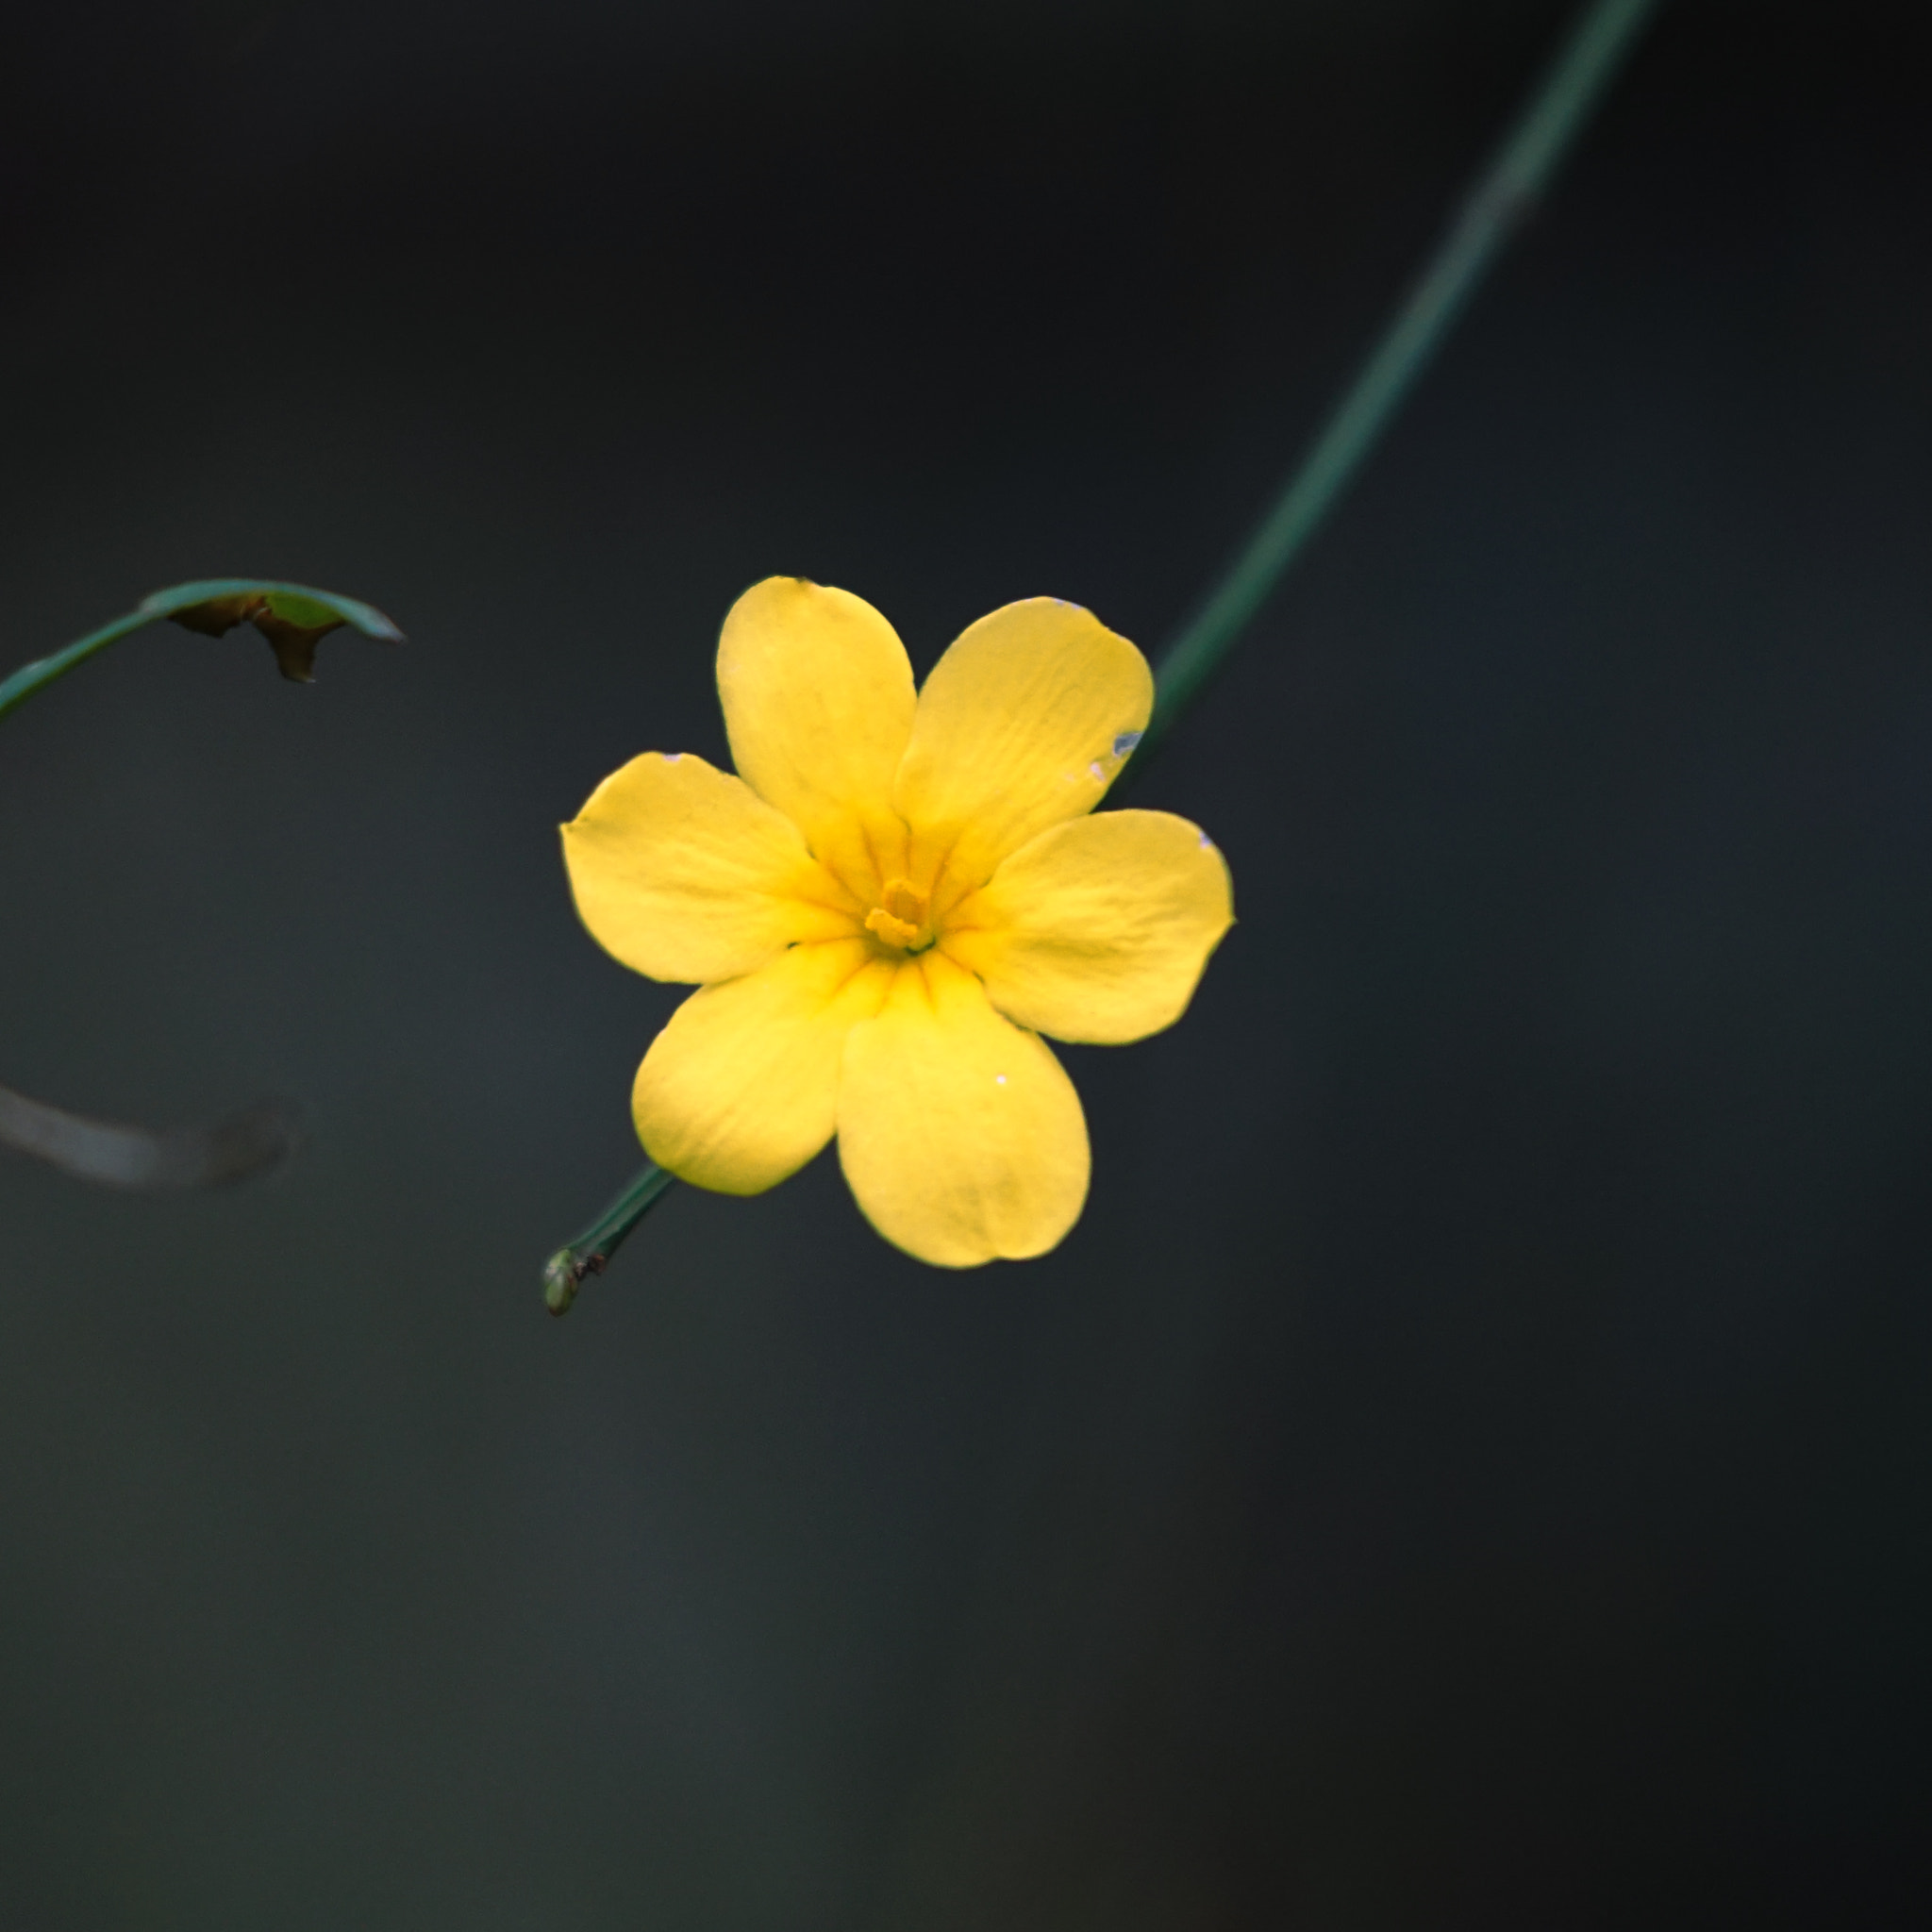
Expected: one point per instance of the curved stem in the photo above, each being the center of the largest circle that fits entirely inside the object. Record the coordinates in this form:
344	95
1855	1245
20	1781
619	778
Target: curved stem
1495	207
37	677
1491	211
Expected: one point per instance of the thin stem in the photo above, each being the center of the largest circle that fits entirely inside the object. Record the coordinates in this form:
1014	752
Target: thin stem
1489	215
591	1251
1502	195
37	677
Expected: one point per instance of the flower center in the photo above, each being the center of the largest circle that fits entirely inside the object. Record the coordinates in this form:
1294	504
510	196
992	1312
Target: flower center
901	919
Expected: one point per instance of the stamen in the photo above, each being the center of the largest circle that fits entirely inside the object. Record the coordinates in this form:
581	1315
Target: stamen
902	916
896	932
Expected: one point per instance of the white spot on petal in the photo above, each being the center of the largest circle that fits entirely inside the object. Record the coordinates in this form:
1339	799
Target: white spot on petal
671	757
1206	843
1094	767
999	1079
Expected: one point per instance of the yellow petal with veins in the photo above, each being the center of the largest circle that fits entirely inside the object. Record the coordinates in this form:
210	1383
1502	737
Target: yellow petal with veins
682	872
1098	930
961	1135
1023	722
818	704
740	1088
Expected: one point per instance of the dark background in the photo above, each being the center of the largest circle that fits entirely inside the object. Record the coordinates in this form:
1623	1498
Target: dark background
1468	1468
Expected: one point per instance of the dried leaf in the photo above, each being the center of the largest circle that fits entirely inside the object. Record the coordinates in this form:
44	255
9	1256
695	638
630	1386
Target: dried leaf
219	615
295	626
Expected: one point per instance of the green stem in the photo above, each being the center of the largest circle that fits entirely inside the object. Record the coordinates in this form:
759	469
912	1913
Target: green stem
588	1253
42	672
1491	211
1502	195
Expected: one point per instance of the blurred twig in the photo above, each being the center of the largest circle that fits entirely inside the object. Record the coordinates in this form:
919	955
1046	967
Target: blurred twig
228	601
114	1156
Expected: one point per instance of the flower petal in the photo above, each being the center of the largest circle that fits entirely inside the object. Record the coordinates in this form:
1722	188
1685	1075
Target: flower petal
1098	930
1023	722
682	872
961	1135
818	704
740	1088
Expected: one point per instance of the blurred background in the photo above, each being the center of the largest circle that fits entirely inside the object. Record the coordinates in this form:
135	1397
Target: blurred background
1469	1467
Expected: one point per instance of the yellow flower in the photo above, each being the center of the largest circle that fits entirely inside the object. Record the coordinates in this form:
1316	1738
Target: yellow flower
899	894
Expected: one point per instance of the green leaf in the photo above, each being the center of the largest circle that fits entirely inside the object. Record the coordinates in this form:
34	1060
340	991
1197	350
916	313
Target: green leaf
310	613
296	603
292	616
294	619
